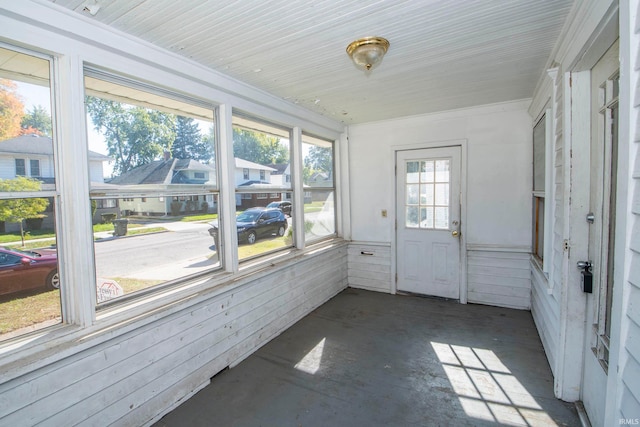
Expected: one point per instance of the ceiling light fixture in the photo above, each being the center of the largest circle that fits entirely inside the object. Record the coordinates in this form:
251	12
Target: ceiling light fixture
367	52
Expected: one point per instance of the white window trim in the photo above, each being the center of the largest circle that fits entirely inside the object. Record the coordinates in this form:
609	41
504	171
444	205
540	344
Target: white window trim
82	325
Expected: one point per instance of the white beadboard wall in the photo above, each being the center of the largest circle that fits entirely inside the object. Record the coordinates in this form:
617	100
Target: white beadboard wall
370	266
499	276
137	377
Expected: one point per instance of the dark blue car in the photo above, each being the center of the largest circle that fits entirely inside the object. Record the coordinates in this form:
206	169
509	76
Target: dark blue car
257	222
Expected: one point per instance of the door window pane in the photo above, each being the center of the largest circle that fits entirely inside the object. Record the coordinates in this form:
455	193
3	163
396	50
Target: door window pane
432	201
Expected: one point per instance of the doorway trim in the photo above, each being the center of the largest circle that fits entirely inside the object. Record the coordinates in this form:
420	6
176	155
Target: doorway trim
576	112
394	149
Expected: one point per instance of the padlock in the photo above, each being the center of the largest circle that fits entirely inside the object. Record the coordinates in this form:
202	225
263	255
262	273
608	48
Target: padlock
587	281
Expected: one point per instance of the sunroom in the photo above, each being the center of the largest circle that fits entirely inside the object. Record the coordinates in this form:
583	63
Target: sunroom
486	161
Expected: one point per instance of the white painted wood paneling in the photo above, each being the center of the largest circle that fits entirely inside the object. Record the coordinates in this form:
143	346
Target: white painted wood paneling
545	291
370	266
498	191
135	378
501	278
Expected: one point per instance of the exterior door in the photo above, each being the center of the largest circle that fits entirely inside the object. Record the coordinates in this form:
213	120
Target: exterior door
428	221
602	202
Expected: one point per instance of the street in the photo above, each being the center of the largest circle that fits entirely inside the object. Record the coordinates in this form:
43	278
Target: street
186	249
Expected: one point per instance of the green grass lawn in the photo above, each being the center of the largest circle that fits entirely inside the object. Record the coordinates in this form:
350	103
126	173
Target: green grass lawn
204	217
29	235
261	246
29	310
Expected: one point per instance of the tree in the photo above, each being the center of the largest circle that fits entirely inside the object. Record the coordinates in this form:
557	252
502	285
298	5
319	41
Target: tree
258	147
135	135
11	110
17	210
189	142
37	120
319	159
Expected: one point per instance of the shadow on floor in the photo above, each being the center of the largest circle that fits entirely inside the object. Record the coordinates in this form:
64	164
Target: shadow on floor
372	359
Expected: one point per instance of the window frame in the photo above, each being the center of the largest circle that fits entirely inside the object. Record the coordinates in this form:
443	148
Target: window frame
310	190
81	320
542	241
33	162
142	192
21	170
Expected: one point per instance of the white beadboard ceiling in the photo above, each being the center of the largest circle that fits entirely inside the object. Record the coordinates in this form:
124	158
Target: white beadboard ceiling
444	54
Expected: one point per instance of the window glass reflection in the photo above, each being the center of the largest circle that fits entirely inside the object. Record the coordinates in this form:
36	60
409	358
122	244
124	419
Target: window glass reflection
140	242
29	277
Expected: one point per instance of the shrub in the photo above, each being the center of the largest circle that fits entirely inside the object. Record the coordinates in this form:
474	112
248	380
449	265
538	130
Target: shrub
108	218
175	208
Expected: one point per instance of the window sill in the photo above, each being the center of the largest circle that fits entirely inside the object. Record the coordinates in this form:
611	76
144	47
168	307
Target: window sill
36	350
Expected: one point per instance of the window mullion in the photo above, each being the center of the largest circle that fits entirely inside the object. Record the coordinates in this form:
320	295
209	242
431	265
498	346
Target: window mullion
75	244
227	217
298	190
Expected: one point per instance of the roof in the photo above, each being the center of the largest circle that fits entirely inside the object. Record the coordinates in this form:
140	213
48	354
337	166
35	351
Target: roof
280	168
246	164
162	172
38	145
189	164
255	183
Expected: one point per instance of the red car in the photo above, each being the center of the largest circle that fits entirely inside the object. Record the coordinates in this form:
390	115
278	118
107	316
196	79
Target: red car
25	270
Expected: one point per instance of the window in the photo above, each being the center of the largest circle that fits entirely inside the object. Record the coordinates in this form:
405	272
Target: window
257	145
153	183
539	185
245	174
107	203
198	175
21	169
35	167
30	294
318	180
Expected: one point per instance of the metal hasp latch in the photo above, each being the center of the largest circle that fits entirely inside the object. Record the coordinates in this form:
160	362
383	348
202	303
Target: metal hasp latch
587	276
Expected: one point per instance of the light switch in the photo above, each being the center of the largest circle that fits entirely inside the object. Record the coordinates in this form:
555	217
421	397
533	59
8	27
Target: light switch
384	213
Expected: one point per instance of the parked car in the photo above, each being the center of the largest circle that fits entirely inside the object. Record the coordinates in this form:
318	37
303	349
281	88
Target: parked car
257	222
26	270
284	206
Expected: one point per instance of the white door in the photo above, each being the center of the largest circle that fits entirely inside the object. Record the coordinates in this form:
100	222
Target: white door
428	221
603	154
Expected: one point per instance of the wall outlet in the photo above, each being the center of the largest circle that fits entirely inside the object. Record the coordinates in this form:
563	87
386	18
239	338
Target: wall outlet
384	213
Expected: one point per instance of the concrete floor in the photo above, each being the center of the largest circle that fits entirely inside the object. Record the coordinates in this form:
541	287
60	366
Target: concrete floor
372	359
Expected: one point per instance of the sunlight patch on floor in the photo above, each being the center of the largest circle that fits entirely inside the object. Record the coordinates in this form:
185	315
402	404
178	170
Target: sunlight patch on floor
487	389
310	363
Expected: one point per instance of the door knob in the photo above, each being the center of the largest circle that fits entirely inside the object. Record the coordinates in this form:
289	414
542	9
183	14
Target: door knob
455	233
